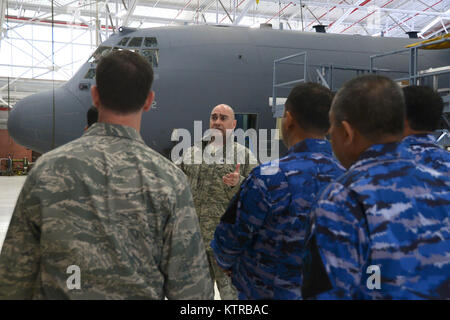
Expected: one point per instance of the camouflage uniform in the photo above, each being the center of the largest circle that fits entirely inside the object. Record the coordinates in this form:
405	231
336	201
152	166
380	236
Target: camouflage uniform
389	212
423	149
115	208
211	195
261	236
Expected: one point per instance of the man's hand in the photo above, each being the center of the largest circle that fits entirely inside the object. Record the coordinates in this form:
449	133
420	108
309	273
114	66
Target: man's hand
232	179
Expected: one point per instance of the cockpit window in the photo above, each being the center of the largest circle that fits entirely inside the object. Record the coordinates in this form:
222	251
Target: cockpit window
124	49
135	42
151	55
90	74
150	42
123	41
99	53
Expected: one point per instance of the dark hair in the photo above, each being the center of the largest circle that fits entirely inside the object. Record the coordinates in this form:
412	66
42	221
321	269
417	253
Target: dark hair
373	104
309	103
124	80
423	108
92	116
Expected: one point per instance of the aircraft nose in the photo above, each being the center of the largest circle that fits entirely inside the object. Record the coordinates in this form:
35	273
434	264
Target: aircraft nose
30	122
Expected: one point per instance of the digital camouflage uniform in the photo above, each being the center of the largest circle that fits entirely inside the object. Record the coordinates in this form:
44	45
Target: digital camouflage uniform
115	208
386	211
212	196
261	237
423	149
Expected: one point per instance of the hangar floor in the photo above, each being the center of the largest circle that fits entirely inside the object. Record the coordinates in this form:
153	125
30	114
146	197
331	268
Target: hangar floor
9	192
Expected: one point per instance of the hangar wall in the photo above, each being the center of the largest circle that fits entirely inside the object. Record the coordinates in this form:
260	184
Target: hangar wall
8	147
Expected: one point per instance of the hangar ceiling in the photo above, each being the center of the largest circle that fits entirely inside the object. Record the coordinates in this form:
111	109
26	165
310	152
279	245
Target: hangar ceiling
34	32
367	17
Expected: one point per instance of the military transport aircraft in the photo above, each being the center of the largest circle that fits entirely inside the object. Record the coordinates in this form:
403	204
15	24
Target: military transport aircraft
197	67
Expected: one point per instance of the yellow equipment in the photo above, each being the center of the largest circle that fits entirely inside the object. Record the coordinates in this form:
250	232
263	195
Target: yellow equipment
441	45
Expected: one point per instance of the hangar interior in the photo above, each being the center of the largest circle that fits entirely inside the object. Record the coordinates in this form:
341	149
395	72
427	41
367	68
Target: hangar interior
44	42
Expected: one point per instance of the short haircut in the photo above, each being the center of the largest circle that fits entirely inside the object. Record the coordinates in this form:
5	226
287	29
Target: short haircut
373	104
309	104
424	108
124	80
92	116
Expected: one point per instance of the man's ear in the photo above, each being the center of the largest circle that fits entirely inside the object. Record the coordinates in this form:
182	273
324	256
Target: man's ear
95	96
149	101
349	133
289	119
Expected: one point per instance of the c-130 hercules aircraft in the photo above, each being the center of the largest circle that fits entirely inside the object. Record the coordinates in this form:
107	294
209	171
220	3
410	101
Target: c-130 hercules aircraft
198	67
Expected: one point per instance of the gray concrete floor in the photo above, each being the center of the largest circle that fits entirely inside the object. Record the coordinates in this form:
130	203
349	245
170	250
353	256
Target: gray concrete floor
9	192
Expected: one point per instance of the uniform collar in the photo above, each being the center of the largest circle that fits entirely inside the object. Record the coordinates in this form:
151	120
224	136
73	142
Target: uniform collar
419	139
114	130
311	145
378	152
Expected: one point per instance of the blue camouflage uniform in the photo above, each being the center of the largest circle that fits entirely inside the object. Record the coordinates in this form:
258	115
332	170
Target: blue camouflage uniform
260	237
385	211
423	149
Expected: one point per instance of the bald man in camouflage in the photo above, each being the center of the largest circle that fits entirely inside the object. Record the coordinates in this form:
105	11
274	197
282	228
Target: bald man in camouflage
215	181
105	216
